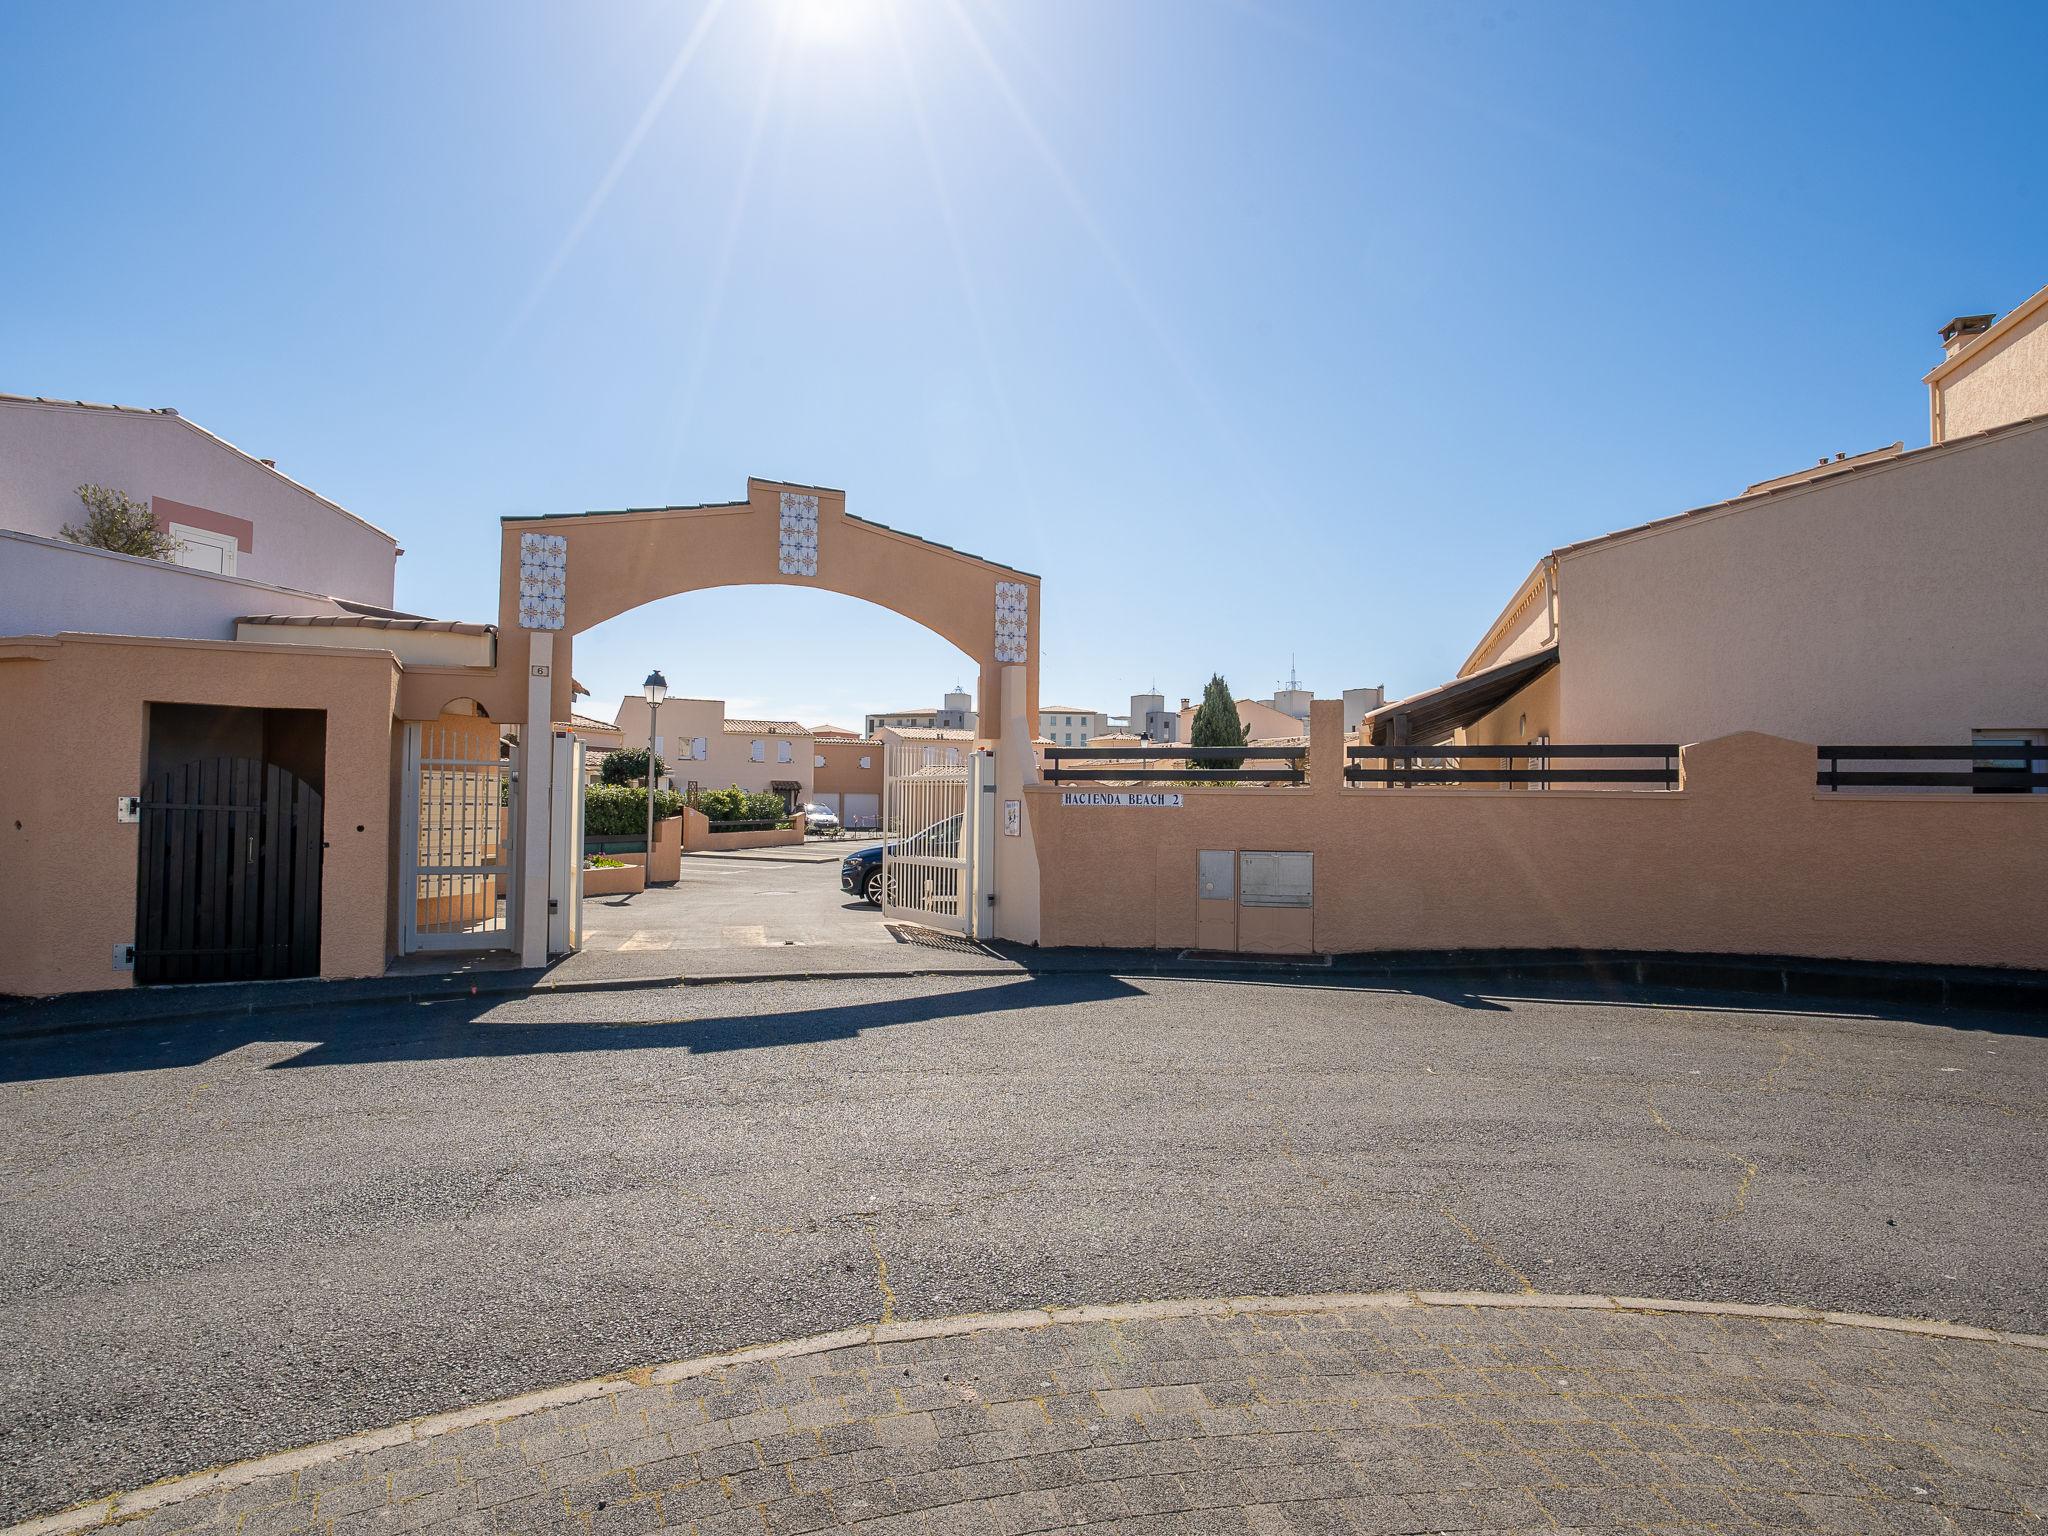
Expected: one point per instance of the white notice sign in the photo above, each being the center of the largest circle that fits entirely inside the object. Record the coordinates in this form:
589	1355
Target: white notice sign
1169	799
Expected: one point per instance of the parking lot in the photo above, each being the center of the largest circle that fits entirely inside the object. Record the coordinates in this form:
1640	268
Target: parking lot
759	899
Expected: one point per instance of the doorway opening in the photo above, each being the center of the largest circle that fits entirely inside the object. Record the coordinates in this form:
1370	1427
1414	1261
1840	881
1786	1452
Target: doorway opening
229	861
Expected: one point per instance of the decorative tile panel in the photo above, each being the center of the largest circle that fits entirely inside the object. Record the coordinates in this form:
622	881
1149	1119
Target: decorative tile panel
799	554
1013	621
543	580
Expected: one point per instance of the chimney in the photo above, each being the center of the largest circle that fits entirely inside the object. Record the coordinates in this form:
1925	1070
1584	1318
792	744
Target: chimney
1961	331
268	463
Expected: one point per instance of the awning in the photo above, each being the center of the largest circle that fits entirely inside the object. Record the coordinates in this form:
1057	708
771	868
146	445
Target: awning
1431	716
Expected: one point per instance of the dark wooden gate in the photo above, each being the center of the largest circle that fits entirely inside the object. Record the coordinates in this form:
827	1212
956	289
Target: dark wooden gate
229	883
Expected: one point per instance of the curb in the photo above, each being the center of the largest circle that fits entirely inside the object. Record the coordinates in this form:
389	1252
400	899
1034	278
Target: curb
94	1513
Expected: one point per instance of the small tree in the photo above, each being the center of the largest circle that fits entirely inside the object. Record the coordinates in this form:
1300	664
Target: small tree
1216	723
113	521
628	765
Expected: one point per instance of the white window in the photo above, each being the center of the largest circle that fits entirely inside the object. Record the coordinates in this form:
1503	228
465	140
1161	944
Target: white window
698	746
818	761
783	754
867	762
952	757
201	549
759	752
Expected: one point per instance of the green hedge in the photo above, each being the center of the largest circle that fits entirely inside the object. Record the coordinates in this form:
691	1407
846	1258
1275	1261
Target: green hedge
736	804
620	810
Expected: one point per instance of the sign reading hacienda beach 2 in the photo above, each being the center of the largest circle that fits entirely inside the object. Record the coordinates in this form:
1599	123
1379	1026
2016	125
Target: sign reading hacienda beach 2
1170	800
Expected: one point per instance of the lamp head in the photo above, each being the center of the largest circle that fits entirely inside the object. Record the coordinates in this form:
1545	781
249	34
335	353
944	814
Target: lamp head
655	688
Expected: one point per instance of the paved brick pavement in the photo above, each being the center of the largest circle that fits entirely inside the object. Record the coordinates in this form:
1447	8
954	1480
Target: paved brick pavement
1330	1415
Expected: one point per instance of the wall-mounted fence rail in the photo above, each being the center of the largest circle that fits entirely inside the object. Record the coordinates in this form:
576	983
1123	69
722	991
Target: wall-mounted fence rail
1995	767
1650	766
1169	764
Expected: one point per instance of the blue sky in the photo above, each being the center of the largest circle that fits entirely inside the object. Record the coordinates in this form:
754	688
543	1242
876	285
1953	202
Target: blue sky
1258	330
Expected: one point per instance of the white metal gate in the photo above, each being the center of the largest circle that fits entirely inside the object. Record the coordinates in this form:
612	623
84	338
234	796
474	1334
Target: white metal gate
456	885
931	816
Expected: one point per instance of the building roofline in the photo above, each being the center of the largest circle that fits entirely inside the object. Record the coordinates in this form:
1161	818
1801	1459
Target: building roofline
1516	603
1992	339
171	413
1835	473
368	621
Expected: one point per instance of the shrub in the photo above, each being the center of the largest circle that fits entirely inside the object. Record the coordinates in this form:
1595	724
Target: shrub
114	522
620	810
736	804
628	765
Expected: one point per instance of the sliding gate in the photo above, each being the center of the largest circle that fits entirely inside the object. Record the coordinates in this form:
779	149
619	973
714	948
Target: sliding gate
456	888
935	865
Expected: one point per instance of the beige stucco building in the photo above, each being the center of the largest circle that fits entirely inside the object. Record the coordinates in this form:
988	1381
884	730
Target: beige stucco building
1889	598
848	780
702	749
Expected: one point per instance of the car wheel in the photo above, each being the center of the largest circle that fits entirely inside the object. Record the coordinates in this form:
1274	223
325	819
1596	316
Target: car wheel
873	890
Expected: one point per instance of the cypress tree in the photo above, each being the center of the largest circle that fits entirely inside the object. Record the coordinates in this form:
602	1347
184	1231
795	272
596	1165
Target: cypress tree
1216	723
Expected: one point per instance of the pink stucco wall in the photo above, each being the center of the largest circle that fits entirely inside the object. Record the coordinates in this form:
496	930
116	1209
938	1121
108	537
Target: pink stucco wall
49	449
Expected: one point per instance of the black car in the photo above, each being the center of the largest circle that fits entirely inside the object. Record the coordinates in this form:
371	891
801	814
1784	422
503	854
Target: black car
860	873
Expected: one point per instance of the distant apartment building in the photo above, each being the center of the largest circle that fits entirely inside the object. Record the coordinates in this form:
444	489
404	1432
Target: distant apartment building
1150	719
251	541
957	713
1066	726
702	749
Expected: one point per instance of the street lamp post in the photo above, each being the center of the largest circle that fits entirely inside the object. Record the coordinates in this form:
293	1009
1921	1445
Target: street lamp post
655	689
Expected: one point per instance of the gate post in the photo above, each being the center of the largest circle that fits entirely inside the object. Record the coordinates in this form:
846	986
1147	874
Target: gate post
536	799
1015	874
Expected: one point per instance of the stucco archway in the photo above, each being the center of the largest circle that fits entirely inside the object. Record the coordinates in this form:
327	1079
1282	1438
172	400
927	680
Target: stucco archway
561	575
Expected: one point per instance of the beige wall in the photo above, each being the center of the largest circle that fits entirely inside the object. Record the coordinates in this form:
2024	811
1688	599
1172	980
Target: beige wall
728	758
414	646
2002	378
68	878
1901	603
1537	710
1747	858
620	560
1262	722
842	773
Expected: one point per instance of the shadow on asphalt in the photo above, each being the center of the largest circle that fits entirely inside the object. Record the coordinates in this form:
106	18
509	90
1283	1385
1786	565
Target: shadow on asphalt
458	1028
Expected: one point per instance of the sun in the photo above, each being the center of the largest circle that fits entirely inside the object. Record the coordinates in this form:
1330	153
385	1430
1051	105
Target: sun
832	23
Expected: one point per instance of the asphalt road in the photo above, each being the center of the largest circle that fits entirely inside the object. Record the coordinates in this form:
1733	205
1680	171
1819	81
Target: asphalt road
224	1239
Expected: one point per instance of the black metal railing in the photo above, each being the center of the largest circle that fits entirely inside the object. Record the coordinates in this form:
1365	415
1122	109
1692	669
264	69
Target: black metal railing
1166	763
1655	766
1996	767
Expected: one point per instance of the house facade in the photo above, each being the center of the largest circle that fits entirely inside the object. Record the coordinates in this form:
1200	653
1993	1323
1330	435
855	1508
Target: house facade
702	749
1888	598
848	781
237	518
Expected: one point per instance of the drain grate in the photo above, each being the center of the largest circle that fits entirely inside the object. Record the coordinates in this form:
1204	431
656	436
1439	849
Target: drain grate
933	938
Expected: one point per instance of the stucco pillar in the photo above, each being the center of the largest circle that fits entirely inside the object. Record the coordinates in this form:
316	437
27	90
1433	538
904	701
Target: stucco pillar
537	785
1325	746
1016	873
